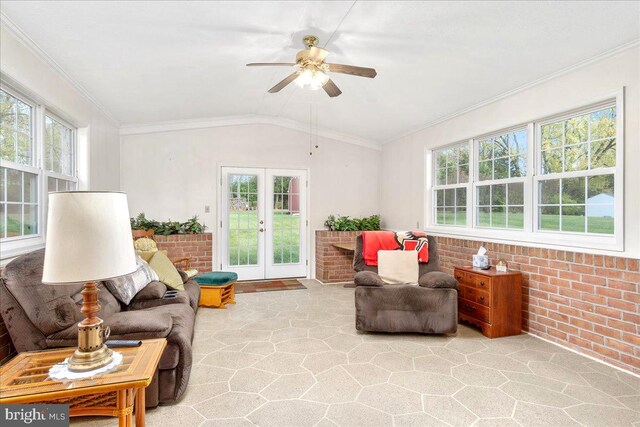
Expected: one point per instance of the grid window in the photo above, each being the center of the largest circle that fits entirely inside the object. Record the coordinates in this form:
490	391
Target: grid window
452	181
29	137
576	191
58	150
243	219
503	156
16	129
580	143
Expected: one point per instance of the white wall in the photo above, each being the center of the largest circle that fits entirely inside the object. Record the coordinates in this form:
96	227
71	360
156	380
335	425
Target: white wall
28	72
403	160
174	174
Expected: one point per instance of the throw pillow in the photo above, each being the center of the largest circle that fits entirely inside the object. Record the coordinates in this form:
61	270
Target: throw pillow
146	255
438	279
145	244
398	267
124	288
166	271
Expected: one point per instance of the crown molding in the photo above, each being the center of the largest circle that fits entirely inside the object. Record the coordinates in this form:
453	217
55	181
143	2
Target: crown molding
178	125
27	41
519	89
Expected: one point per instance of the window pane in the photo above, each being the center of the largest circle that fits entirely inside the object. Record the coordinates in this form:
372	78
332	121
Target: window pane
549	218
484	195
8	144
441	177
485	170
30	225
600	189
518	142
576	158
552	135
573	191
14	185
498	217
485	149
30	188
517	166
3	213
603	124
58	147
600	219
24	149
499	195
516	194
450	216
484	217
461	197
515	218
450	197
550	191
501	146
14	220
603	153
16	119
452	175
463	155
552	161
463	174
573	218
576	130
600	204
440	216
461	216
440	198
501	168
441	159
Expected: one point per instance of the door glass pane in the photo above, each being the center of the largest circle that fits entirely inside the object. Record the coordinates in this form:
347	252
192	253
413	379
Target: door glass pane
286	220
243	219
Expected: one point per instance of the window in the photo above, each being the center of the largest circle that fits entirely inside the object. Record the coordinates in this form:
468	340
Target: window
502	169
450	191
30	137
576	185
555	181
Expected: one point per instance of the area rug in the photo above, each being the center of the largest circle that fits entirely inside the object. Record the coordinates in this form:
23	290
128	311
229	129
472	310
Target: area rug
268	285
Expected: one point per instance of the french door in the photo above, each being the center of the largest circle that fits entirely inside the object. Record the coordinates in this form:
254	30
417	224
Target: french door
264	222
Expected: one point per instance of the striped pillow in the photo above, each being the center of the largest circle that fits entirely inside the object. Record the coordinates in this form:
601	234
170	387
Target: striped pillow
124	288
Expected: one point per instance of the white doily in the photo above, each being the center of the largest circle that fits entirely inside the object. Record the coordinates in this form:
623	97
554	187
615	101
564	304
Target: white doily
61	370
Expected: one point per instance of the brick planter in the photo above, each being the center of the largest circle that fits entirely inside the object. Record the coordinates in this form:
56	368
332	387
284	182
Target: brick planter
198	247
590	303
334	265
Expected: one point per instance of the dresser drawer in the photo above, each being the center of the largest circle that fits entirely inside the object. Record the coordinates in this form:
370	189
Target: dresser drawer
481	282
473	309
476	295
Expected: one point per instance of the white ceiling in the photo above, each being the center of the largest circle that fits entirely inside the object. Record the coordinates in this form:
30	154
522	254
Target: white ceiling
162	61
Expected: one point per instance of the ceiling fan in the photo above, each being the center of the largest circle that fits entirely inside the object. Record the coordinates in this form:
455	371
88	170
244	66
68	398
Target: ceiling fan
311	70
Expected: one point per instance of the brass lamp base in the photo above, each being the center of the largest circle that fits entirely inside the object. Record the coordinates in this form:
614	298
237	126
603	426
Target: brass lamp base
91	352
82	361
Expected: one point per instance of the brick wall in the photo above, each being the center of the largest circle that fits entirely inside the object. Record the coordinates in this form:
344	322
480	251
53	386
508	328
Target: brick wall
334	265
198	247
590	303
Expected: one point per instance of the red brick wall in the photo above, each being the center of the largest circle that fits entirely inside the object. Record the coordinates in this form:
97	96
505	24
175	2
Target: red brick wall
198	247
590	303
334	265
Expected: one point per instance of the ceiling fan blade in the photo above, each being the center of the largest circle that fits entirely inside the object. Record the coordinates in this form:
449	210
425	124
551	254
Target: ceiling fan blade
262	64
353	70
283	83
331	89
317	54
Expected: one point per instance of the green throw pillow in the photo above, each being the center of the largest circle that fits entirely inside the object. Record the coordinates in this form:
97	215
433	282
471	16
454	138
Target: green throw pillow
166	271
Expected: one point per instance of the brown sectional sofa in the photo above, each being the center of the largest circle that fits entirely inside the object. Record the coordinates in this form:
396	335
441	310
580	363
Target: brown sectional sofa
41	316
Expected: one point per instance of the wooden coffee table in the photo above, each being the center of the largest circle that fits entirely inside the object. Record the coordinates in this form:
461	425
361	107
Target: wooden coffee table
25	379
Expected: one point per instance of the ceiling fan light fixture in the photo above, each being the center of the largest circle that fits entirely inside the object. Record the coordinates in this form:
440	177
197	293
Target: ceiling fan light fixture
311	78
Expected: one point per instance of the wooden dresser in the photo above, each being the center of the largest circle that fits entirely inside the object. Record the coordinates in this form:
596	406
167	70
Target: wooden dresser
490	300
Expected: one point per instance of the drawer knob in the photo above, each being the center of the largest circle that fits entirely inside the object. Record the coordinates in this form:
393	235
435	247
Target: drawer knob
481	298
468	307
457	276
481	283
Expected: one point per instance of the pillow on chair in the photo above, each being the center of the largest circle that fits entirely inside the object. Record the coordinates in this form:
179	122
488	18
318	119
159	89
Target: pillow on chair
166	271
398	267
126	287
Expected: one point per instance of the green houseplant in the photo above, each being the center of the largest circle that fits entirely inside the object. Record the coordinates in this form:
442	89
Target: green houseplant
166	228
344	223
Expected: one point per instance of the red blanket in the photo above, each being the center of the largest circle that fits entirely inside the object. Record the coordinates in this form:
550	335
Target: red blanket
374	241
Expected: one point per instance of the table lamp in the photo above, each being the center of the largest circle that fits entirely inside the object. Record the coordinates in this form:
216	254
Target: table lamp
88	239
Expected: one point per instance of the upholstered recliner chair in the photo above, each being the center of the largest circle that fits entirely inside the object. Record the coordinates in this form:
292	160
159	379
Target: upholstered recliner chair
431	307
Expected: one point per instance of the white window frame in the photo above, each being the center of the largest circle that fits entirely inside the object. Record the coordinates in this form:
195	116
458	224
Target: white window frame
436	186
524	179
529	235
14	246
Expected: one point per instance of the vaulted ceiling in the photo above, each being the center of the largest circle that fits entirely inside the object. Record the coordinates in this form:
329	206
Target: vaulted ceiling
166	61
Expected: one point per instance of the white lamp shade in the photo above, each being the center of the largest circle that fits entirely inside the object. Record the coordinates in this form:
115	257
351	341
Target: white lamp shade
88	237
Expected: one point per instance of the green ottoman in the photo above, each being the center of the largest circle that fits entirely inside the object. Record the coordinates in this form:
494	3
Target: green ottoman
216	288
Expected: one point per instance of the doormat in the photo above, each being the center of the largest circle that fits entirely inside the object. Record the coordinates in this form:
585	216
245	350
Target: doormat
268	285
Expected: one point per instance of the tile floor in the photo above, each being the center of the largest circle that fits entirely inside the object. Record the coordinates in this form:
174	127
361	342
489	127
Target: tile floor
294	358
